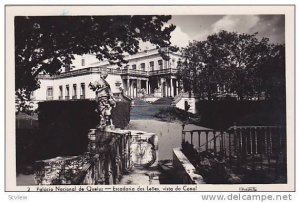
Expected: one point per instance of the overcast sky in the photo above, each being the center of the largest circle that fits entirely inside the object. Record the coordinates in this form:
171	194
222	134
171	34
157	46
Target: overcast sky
189	28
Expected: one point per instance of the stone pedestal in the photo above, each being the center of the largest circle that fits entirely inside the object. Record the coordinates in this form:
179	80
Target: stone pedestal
144	148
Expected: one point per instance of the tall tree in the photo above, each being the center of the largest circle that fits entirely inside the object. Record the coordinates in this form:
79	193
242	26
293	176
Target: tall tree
231	60
44	44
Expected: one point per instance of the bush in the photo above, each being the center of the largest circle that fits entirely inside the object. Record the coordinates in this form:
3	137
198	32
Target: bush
223	114
64	125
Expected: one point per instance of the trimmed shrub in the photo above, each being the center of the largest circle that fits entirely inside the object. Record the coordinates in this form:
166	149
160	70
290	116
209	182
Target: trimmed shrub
64	125
223	114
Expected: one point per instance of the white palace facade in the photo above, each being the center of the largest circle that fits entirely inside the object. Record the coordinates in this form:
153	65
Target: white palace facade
145	75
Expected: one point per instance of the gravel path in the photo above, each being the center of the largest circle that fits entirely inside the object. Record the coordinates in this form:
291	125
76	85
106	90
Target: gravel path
169	134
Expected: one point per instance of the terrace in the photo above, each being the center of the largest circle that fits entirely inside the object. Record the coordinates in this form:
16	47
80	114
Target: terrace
92	70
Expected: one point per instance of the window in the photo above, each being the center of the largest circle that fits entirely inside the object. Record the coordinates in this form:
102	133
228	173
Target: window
82	91
151	66
143	66
74	91
134	67
165	64
60	93
82	62
67	92
160	64
49	93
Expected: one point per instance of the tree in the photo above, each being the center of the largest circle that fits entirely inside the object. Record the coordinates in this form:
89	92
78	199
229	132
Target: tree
44	44
231	60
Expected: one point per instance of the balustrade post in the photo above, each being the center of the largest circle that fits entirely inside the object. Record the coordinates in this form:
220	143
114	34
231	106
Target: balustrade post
229	143
107	169
114	159
251	142
206	145
215	146
221	142
240	140
266	142
256	142
129	151
192	134
271	147
252	153
246	143
183	135
260	148
199	140
278	152
236	145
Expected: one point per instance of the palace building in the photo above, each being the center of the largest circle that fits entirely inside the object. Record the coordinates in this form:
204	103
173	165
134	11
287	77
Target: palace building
145	75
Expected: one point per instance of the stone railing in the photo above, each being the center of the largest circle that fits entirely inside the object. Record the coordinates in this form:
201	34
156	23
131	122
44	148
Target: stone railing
243	149
163	71
185	172
91	70
107	158
110	154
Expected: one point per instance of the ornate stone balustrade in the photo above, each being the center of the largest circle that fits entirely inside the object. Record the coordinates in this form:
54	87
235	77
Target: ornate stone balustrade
91	70
106	159
242	149
110	154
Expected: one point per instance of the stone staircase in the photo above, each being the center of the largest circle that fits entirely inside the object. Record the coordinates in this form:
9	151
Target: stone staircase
164	101
178	97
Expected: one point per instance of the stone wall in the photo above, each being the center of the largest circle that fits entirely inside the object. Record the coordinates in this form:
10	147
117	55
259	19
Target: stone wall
184	170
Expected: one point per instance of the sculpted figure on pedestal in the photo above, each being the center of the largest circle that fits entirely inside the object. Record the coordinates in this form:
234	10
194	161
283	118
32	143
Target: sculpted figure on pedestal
105	101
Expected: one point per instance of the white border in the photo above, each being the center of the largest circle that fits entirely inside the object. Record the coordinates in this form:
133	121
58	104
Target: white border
288	11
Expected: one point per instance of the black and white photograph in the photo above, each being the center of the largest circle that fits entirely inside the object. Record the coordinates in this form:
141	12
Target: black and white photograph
150	99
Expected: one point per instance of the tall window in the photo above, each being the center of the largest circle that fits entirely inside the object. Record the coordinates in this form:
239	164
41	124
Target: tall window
49	93
143	66
60	93
82	62
134	67
74	91
160	64
67	92
165	64
151	66
82	91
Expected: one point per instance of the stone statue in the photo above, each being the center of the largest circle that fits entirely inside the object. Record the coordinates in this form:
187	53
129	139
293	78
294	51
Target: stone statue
105	101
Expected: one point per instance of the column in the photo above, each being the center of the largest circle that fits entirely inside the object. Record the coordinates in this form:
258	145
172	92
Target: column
171	87
136	87
133	90
177	87
127	87
147	87
139	84
130	87
159	85
167	88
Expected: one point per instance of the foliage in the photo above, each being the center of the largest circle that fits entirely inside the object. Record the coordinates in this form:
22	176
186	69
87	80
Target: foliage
44	44
241	63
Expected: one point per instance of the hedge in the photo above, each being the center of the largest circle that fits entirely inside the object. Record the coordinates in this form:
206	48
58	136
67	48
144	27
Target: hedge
223	114
63	127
